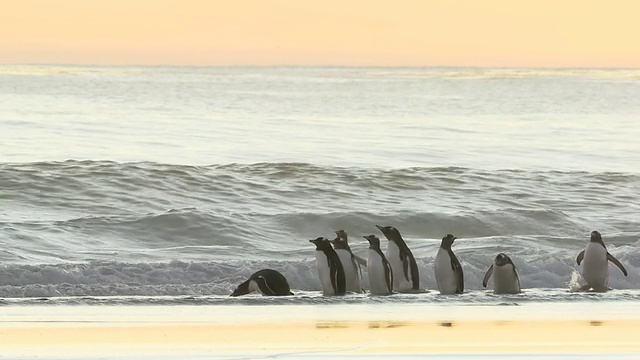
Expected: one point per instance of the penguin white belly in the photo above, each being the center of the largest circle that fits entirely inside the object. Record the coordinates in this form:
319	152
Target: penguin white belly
351	271
505	280
324	273
595	267
253	287
400	283
445	276
377	276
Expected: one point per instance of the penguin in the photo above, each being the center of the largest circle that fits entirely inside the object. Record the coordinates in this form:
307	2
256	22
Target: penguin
379	269
448	269
594	259
505	276
352	272
268	282
405	269
329	268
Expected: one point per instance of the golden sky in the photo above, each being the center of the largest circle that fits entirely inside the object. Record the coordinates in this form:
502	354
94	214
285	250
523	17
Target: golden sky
549	33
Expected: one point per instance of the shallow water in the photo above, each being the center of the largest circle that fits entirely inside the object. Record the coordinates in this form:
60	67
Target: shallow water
181	182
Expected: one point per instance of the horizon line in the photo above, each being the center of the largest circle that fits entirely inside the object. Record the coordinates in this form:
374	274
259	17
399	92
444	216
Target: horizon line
506	67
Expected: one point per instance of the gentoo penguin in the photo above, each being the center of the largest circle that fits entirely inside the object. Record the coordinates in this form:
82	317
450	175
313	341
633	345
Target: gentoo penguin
268	282
505	276
352	272
595	270
329	268
448	269
405	269
379	269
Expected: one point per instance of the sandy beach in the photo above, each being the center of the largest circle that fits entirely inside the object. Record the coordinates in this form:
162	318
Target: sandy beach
311	331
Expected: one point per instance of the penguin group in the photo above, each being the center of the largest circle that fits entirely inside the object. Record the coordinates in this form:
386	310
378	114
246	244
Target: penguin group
395	271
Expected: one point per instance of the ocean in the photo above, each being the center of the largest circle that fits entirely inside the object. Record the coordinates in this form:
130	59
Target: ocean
173	184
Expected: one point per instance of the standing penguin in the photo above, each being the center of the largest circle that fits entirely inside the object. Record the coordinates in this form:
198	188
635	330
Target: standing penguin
505	276
352	272
448	269
379	269
405	269
595	269
329	268
268	282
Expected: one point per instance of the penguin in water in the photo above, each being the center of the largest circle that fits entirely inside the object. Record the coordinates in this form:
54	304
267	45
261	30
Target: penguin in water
379	269
594	259
405	269
349	260
268	282
329	268
448	269
505	276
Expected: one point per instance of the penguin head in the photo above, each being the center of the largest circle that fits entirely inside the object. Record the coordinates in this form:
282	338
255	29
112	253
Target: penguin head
339	242
447	241
596	237
502	259
391	233
342	235
373	240
242	289
321	243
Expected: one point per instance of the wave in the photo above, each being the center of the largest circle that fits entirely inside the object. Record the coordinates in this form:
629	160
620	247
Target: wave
149	229
78	184
538	267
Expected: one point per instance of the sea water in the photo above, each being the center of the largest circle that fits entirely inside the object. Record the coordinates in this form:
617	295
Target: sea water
174	184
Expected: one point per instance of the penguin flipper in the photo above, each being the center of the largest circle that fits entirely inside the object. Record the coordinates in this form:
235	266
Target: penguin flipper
581	256
410	265
337	276
388	275
487	275
415	277
359	260
617	263
457	269
405	264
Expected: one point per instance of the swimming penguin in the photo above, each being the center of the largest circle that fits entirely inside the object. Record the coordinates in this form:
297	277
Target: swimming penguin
268	282
379	269
352	272
448	269
595	269
405	269
329	268
505	276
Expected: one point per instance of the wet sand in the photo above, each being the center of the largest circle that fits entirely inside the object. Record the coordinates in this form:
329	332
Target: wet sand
303	331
